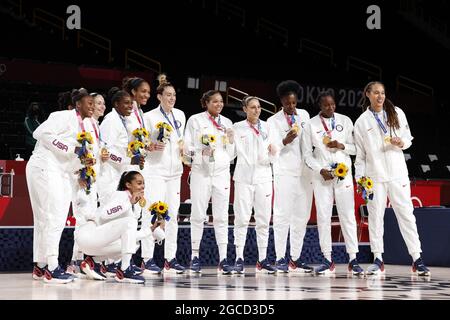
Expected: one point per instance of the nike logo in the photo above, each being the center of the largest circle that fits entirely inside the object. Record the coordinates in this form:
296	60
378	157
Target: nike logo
369	129
347	186
319	131
268	195
403	185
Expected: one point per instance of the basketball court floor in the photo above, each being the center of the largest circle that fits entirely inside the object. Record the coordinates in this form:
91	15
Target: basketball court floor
397	284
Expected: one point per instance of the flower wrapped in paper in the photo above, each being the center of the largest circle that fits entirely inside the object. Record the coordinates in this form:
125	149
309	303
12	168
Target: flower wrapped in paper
209	140
140	134
159	211
339	171
164	131
365	187
87	173
136	149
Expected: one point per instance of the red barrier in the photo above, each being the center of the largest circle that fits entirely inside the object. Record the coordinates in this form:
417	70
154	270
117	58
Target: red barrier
16	211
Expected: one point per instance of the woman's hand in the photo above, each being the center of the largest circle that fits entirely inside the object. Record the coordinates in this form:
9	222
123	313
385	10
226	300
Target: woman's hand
326	174
230	135
158	223
396	141
335	144
136	196
291	135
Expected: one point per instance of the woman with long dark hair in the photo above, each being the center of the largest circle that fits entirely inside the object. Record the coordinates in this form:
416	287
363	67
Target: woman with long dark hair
381	134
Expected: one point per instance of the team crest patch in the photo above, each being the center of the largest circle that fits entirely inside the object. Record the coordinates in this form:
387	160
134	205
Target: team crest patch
339	128
177	124
303	124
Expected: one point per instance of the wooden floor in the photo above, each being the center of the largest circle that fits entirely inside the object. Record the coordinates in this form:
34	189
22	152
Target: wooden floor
398	283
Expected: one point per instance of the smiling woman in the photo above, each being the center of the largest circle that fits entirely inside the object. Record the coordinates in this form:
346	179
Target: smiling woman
49	178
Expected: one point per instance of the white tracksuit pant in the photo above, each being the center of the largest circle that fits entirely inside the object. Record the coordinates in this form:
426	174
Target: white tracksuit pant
167	190
291	213
50	195
111	239
325	192
247	196
399	193
203	188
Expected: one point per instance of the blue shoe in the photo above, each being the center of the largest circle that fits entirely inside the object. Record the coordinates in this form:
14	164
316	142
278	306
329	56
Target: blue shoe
196	266
93	270
135	268
282	266
299	266
265	267
112	268
354	268
224	267
57	276
239	266
147	268
376	268
326	268
38	273
420	269
128	276
173	266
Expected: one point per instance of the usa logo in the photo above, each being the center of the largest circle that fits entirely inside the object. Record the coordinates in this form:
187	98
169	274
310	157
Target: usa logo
60	145
114	210
115	158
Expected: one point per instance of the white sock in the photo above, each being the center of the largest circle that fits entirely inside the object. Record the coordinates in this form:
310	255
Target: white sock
327	256
52	262
126	258
240	252
262	252
41	264
222	251
352	256
195	253
377	255
415	256
97	259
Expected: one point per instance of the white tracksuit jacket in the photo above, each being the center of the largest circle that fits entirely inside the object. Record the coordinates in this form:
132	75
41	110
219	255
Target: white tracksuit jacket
386	165
52	174
165	171
292	185
253	182
209	179
326	192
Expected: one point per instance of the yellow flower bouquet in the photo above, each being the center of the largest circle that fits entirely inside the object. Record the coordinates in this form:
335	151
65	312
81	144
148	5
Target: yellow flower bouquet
165	130
339	171
366	185
159	211
87	173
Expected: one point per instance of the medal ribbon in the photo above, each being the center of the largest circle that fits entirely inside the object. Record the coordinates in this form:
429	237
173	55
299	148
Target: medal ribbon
256	131
139	117
217	125
380	123
80	121
174	120
328	131
290	119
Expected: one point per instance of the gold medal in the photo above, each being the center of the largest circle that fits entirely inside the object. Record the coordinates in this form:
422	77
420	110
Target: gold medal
295	128
326	140
387	139
104	151
142	202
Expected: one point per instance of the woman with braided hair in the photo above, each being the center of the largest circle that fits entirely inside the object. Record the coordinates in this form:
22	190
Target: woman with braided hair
381	135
